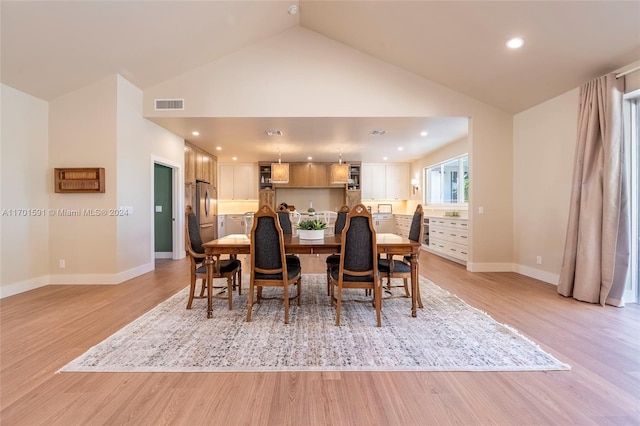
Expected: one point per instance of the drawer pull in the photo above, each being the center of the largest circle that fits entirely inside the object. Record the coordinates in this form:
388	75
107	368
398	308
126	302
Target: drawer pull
463	252
453	235
463	236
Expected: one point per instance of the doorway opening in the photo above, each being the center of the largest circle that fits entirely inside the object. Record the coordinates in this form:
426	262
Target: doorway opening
172	205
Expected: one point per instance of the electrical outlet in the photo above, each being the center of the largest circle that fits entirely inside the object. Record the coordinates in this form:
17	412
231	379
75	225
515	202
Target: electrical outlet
61	264
539	260
480	210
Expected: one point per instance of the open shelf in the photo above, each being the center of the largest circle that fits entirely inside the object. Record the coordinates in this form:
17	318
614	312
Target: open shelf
79	180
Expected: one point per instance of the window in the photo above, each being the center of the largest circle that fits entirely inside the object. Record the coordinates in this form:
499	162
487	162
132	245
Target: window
447	182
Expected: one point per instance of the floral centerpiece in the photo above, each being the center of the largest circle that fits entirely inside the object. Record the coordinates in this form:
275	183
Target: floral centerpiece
311	229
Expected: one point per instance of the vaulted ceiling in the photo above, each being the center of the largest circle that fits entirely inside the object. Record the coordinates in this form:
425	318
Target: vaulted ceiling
50	48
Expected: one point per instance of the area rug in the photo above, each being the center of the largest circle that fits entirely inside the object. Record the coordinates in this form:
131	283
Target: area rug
447	335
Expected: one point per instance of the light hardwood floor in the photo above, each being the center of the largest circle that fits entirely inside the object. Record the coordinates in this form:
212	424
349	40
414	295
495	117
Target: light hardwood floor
42	330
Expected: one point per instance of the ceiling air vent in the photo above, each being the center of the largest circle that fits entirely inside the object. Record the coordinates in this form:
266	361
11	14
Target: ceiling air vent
169	104
274	132
378	132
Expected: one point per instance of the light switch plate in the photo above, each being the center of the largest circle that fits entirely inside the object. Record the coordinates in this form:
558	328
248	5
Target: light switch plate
158	209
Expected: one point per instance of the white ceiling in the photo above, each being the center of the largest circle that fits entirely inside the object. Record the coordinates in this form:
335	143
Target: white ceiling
50	48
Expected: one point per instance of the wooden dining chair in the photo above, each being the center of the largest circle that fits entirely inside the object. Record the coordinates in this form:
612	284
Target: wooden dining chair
334	259
269	267
358	267
287	229
231	269
401	268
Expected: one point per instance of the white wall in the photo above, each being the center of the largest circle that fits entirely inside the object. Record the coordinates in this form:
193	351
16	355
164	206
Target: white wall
26	182
300	73
140	141
100	125
544	145
82	133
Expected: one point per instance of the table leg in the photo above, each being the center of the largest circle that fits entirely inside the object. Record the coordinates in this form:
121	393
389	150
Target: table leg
209	262
414	283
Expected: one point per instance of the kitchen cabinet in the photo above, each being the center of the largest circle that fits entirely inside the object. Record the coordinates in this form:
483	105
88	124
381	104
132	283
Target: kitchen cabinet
237	182
449	237
384	223
268	197
306	175
397	181
385	181
403	224
352	198
199	165
189	164
373	182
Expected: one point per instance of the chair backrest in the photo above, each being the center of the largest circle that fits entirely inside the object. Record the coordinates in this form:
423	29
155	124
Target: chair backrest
295	217
267	243
193	240
358	253
285	222
417	224
329	217
247	219
341	219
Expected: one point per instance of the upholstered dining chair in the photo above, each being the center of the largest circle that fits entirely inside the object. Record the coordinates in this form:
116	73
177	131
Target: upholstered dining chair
287	229
334	259
358	267
269	267
394	268
247	220
231	269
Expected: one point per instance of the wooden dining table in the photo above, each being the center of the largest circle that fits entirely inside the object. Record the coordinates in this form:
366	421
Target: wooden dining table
236	244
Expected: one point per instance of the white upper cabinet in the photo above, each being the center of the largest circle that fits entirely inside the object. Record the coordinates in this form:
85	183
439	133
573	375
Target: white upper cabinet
237	182
385	181
373	181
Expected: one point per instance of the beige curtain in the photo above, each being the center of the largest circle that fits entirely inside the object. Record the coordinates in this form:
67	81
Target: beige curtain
596	255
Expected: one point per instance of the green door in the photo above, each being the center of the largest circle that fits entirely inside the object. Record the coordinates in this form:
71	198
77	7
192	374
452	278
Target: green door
163	223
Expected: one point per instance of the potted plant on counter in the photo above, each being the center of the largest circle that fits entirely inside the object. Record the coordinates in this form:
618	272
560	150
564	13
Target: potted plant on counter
311	229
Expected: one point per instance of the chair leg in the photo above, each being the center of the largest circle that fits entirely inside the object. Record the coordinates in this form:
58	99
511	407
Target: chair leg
239	273
192	291
406	287
299	289
250	301
203	288
338	304
328	283
230	291
286	303
418	295
377	295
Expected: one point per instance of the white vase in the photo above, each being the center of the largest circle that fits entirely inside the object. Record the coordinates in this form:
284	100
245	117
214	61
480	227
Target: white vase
311	234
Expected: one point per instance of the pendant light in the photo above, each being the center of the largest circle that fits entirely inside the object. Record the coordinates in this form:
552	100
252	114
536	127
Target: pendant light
279	171
339	172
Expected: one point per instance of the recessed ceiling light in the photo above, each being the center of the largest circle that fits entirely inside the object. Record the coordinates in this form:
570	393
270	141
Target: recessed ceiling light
515	43
195	133
274	132
385	158
309	158
234	158
218	148
400	148
293	9
423	133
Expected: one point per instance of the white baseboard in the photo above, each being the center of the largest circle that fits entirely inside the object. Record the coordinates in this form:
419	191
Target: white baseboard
118	278
22	286
545	276
490	267
163	255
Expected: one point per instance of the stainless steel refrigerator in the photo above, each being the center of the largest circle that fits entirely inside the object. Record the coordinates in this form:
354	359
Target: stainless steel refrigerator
207	211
